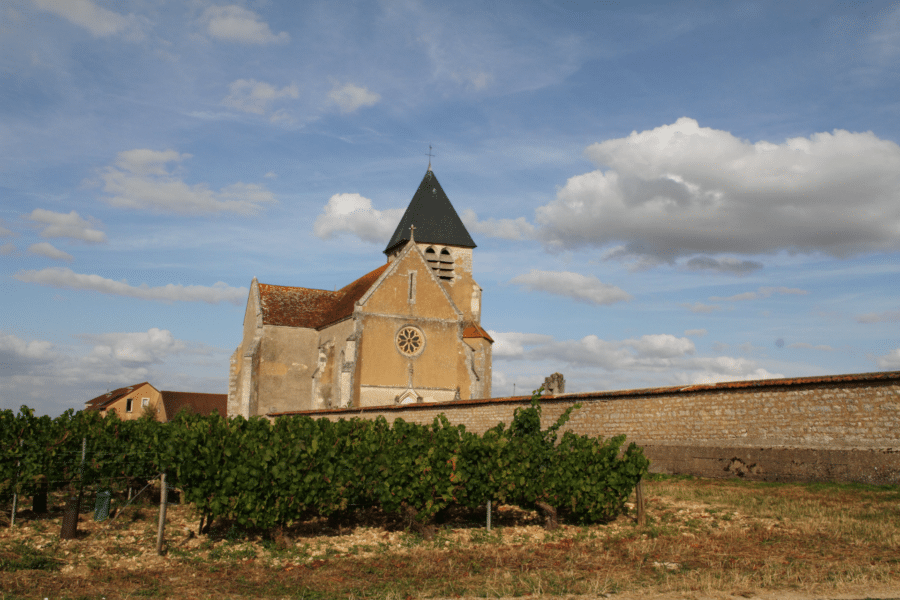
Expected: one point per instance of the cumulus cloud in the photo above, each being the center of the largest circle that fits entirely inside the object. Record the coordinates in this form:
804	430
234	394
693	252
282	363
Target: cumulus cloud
683	190
511	344
257	97
62	225
729	265
54	377
724	368
145	347
890	361
99	21
763	292
61	277
882	317
352	213
507	229
647	352
237	24
50	251
142	179
349	97
582	288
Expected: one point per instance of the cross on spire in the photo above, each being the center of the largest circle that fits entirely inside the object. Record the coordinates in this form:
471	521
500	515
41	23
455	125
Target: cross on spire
429	154
412	230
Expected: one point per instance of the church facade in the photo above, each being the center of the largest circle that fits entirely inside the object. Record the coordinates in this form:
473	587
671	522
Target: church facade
407	332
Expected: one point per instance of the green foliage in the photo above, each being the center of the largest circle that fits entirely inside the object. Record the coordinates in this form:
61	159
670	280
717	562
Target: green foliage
259	474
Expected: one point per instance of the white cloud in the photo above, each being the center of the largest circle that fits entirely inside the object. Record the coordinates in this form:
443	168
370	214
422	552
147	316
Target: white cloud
141	179
256	97
62	225
695	332
511	344
700	308
763	292
724	368
649	352
507	229
890	361
50	251
730	265
349	97
882	317
100	22
145	347
60	277
237	24
52	378
682	190
352	213
7	249
823	347
579	287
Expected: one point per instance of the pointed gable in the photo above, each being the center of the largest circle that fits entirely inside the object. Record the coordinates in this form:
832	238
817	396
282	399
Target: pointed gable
434	217
389	293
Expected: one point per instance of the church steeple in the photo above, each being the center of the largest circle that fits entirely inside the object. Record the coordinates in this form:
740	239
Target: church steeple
434	218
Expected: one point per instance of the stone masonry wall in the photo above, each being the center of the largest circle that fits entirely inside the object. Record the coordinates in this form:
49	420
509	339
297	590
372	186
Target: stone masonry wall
844	428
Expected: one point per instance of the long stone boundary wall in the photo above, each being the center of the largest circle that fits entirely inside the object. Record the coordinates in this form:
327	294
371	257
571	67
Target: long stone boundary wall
834	428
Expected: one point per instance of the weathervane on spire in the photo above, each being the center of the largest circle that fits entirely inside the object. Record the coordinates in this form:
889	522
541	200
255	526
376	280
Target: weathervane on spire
429	154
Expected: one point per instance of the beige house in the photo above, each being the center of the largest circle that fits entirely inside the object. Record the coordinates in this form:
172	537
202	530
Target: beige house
134	401
409	331
130	402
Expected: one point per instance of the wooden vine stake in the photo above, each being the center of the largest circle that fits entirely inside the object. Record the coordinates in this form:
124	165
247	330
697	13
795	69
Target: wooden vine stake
163	500
639	501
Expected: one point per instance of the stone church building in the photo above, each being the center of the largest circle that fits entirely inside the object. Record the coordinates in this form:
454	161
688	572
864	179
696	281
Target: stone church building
407	332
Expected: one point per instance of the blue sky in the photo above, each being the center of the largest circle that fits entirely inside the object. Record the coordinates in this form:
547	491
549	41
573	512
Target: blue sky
661	192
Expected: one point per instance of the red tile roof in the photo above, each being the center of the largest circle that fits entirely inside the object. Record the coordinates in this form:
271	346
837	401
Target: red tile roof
314	309
103	400
475	331
201	404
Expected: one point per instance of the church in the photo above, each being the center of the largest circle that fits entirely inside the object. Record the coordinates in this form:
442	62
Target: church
407	332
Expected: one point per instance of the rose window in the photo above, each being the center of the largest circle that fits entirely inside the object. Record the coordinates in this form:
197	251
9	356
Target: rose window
410	341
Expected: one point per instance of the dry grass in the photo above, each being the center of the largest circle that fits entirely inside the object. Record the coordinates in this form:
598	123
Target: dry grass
703	537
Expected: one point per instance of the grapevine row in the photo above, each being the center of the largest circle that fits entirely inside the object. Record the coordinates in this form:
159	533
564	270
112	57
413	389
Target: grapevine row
266	474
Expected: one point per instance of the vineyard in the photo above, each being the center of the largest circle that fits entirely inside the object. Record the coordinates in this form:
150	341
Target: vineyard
259	474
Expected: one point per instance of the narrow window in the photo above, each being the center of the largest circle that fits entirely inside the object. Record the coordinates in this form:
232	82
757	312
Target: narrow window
446	265
412	286
145	402
128	405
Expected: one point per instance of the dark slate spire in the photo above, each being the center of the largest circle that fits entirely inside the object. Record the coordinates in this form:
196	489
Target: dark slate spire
434	217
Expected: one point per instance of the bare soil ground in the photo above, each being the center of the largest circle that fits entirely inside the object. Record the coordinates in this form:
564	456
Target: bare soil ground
705	539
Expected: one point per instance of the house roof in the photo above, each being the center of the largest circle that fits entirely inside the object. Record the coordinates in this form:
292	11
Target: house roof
201	404
475	331
104	400
434	217
310	308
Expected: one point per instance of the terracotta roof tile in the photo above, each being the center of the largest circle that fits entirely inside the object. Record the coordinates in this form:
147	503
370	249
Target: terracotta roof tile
109	397
475	331
314	309
201	404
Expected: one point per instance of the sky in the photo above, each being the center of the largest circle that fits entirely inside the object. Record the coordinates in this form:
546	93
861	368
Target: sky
662	193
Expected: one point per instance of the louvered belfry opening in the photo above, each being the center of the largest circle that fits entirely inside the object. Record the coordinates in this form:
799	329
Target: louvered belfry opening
446	265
